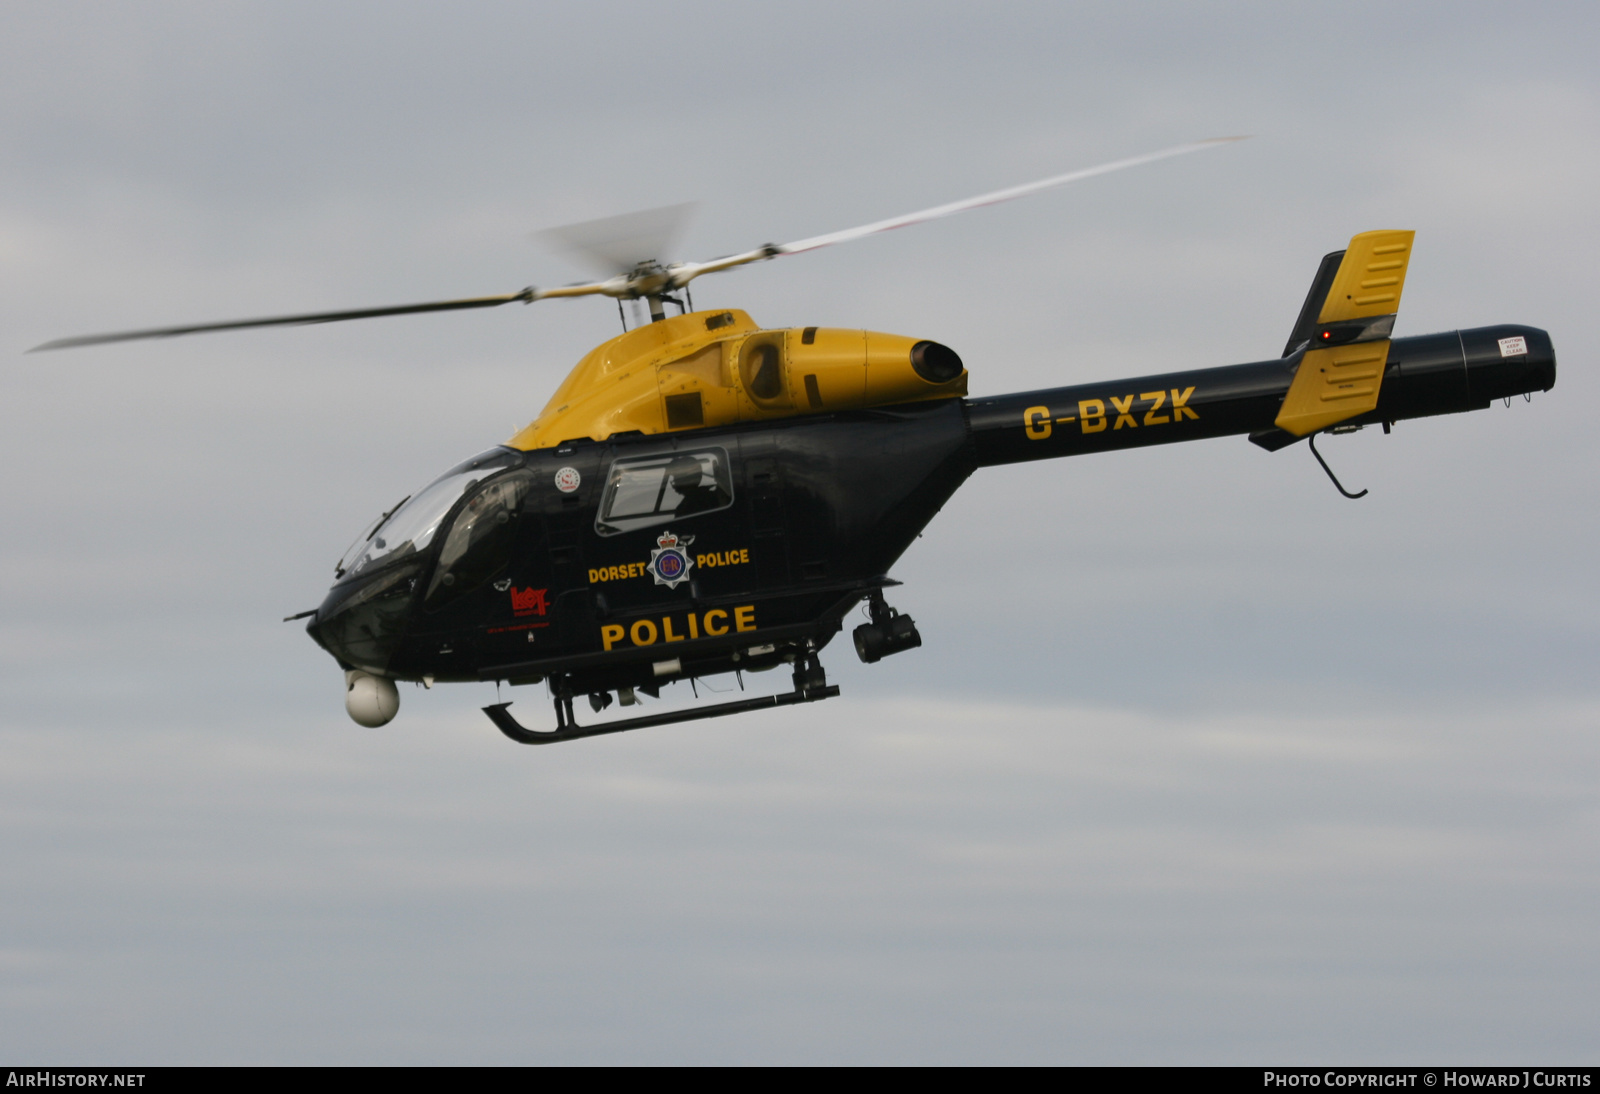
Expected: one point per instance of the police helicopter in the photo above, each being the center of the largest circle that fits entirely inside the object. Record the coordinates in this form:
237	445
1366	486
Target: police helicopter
704	496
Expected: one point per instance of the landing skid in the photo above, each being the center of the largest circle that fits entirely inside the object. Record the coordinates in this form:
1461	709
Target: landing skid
568	729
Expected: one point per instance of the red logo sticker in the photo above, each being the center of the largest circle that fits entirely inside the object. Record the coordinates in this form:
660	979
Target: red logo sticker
529	601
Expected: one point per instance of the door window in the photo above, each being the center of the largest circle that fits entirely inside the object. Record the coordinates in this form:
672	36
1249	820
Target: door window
648	490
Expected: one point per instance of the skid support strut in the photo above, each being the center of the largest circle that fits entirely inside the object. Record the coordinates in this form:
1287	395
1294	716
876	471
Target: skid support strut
810	687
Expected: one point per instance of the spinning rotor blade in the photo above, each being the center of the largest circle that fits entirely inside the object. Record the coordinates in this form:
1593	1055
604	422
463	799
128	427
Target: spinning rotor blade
620	244
630	248
691	270
526	296
995	197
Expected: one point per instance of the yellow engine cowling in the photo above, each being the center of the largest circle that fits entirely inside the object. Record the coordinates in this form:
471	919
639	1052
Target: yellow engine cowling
716	368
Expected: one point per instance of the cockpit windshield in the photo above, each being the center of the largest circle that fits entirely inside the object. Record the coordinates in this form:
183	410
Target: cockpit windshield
412	526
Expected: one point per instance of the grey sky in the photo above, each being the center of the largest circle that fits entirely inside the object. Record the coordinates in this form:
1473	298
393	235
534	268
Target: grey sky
1199	762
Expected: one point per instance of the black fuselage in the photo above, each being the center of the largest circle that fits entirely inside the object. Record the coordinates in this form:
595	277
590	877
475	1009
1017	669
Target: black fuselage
578	574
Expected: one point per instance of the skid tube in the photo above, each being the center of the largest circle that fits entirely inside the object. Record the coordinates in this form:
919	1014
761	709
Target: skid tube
567	728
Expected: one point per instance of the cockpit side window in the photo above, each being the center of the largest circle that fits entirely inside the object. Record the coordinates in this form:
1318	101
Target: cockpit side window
411	527
480	539
643	491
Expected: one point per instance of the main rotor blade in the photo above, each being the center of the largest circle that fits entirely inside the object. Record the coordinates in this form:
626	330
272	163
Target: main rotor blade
526	296
996	197
620	243
683	273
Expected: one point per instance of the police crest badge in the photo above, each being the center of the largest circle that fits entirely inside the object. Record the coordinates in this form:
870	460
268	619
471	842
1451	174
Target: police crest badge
670	562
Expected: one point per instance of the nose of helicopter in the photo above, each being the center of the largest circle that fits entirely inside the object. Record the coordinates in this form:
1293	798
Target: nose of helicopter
361	621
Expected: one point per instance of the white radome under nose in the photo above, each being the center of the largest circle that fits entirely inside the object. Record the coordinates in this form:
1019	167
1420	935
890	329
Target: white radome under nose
370	700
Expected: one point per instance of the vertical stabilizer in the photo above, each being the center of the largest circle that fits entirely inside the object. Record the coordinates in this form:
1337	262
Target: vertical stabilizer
1348	344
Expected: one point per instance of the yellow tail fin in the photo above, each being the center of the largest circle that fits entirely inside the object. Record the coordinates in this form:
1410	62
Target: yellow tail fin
1342	370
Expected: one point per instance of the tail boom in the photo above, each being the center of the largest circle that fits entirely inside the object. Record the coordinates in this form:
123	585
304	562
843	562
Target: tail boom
1430	374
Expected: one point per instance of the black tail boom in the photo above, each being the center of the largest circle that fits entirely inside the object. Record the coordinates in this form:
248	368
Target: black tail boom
1425	375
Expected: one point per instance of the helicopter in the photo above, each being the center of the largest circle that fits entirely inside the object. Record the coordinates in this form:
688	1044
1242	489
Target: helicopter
703	496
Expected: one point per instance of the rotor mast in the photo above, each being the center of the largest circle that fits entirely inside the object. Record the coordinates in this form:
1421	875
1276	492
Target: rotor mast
652	282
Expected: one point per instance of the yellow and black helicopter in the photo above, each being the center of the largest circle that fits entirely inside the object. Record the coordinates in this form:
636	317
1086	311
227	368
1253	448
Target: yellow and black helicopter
703	496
